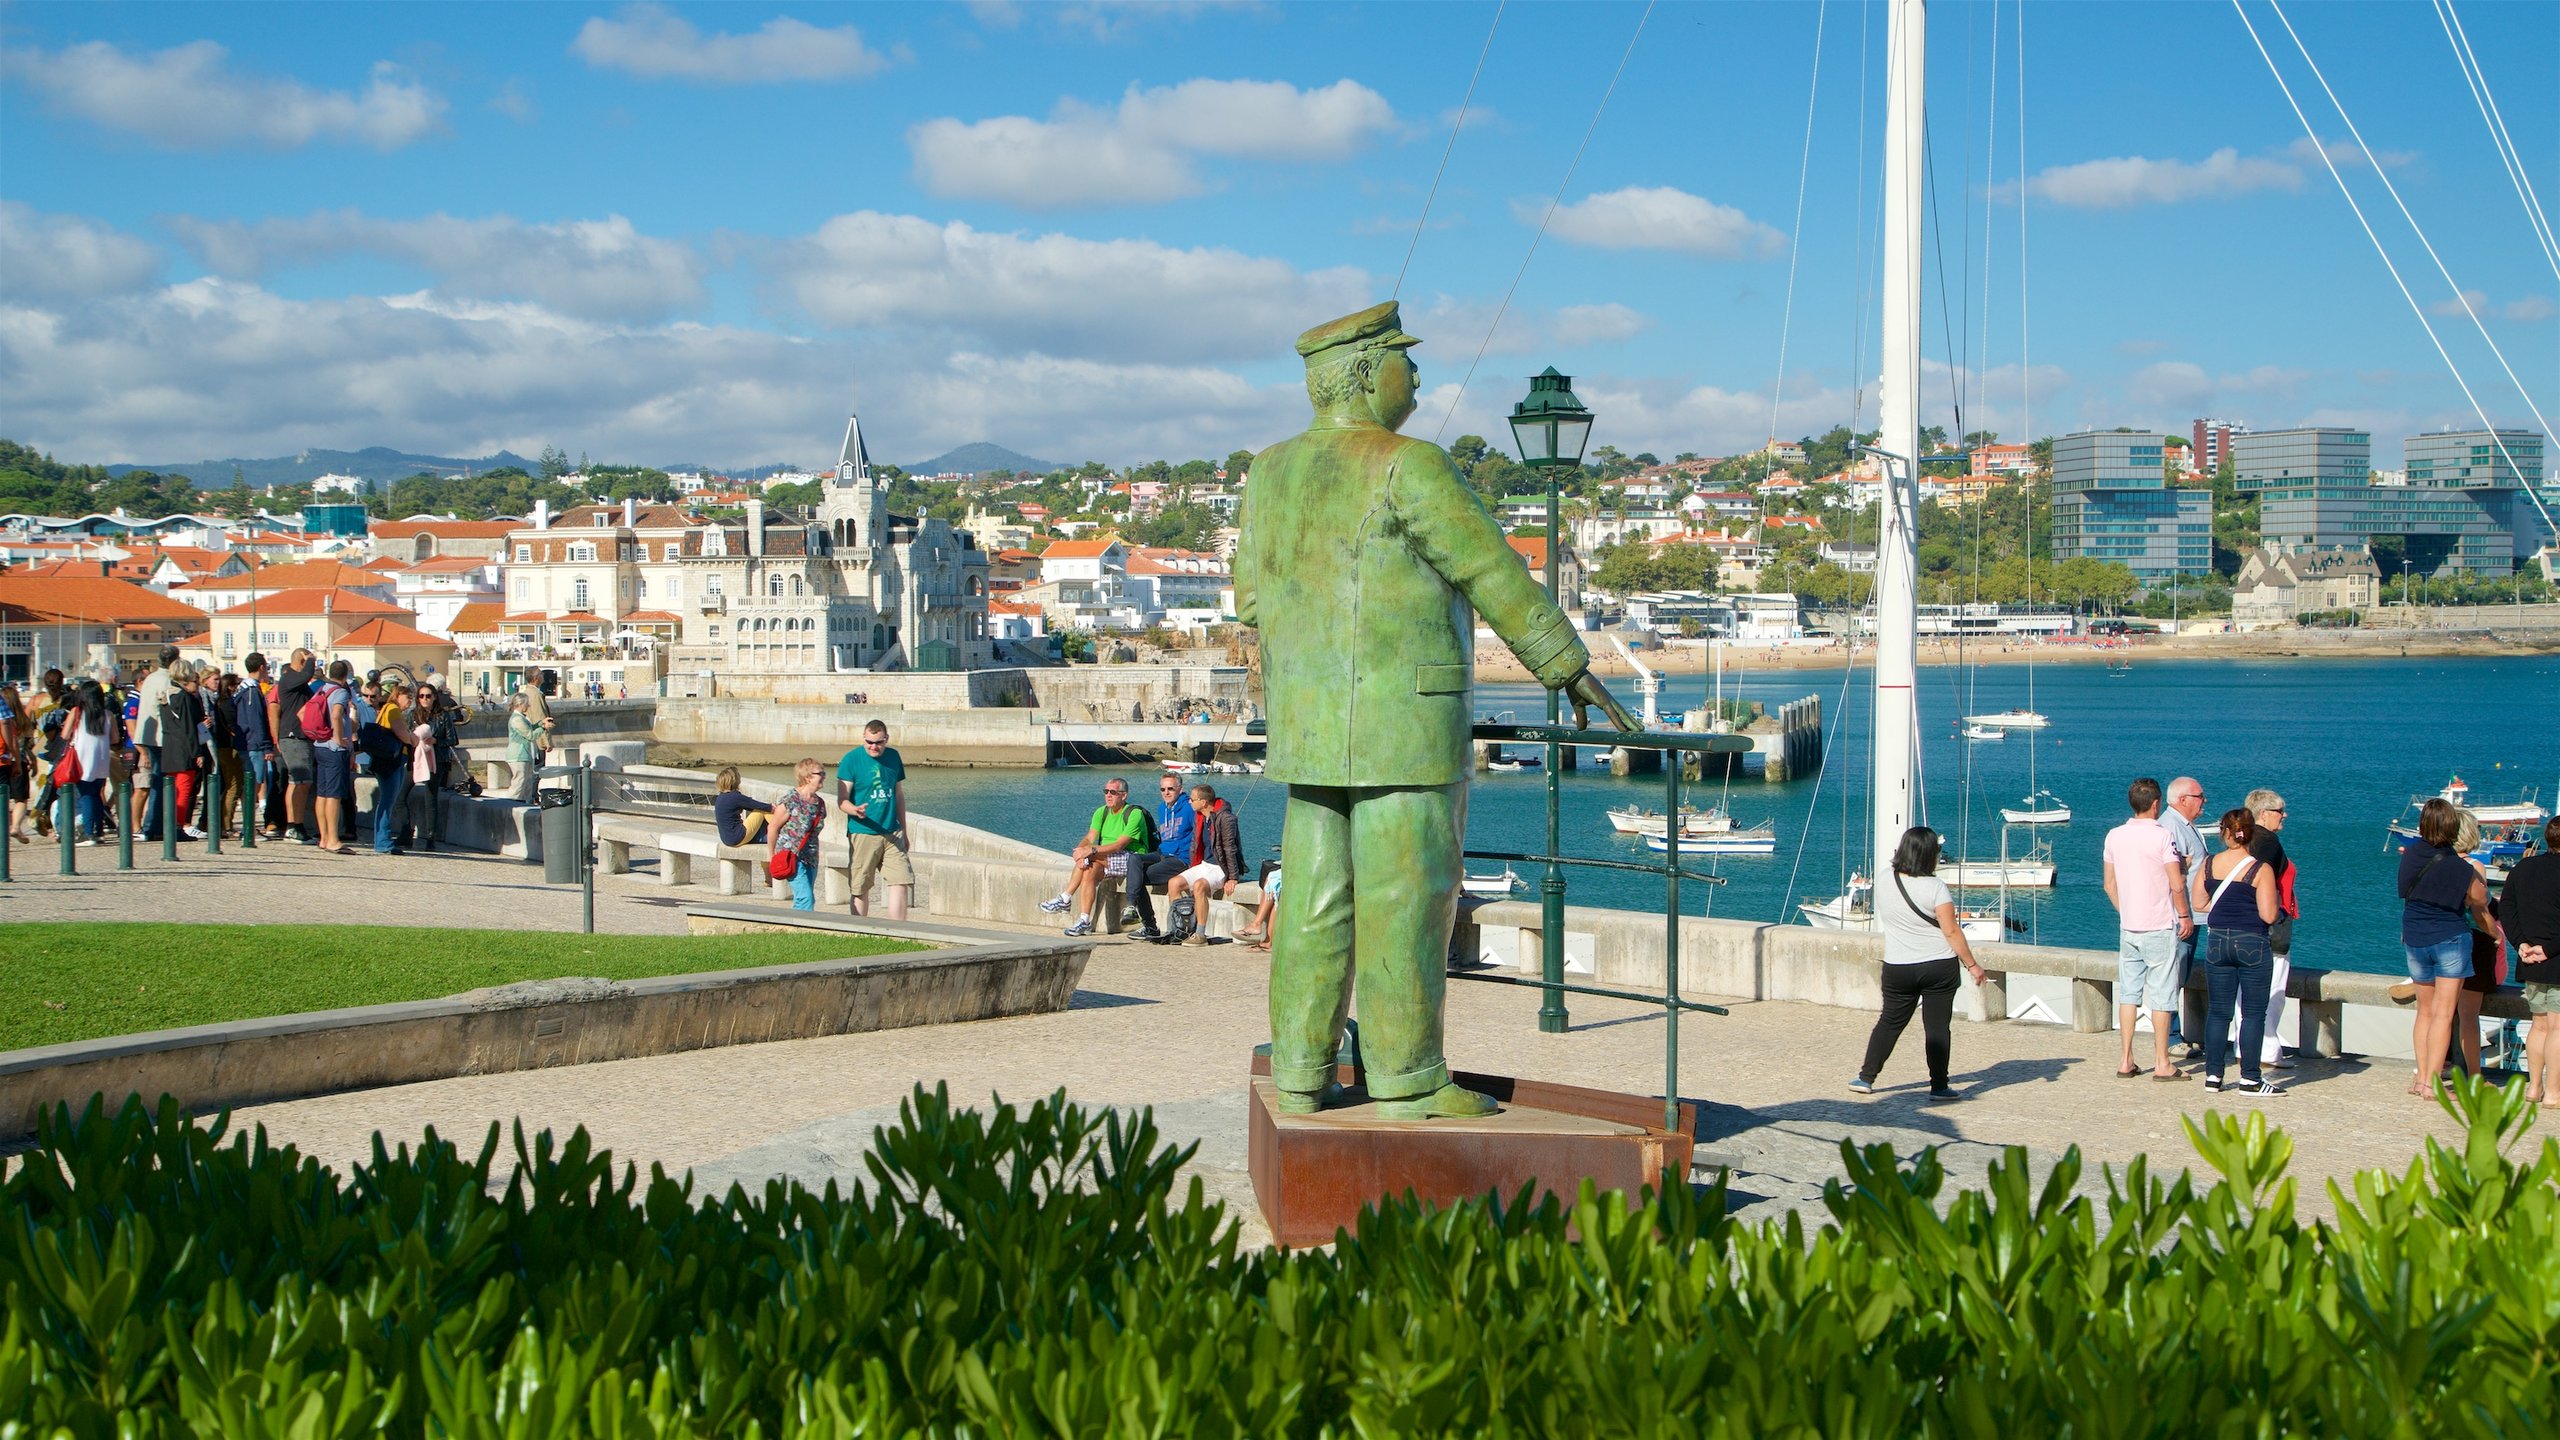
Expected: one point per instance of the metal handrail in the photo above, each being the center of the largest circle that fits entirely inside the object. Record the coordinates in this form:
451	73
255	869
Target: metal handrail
1551	981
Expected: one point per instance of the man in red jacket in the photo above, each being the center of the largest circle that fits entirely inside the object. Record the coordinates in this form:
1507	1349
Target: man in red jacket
1217	859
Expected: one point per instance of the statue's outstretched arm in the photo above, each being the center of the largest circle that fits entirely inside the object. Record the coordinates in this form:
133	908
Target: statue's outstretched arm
1451	531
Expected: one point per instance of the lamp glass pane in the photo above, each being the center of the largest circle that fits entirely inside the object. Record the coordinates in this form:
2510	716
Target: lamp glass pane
1535	437
1570	438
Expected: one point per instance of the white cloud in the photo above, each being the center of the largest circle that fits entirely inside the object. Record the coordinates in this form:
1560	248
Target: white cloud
1598	324
1452	328
2115	184
2347	153
2470	302
1057	294
1143	150
57	256
655	43
2529	309
593	269
185	98
1658	218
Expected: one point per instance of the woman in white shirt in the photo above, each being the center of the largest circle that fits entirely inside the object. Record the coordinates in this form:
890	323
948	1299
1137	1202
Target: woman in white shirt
1923	946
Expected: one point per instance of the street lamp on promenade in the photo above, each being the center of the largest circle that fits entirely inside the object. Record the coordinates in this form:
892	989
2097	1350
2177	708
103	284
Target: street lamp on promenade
1550	427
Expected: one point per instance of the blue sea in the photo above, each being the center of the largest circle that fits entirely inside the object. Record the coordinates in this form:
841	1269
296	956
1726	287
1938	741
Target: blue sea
2347	742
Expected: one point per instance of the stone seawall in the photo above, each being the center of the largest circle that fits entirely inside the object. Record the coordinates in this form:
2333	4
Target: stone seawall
768	731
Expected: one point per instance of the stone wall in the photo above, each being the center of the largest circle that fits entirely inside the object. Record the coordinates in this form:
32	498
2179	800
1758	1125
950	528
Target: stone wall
762	730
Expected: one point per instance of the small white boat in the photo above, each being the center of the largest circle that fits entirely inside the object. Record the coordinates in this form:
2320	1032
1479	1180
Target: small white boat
1984	732
2041	809
1758	840
1634	820
1494	887
1855	911
1185	767
1510	767
2021	719
1992	874
2524	809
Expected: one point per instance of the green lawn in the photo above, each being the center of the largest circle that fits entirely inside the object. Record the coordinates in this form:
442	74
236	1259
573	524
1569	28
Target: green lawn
81	981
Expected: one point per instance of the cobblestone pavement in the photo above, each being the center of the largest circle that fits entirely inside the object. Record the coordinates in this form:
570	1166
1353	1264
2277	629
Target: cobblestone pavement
1173	1028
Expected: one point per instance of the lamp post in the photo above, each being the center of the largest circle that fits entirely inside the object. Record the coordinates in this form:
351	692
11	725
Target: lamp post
1550	427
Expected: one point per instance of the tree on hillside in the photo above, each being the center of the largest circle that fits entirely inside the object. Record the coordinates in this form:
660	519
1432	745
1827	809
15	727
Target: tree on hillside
1636	565
1239	462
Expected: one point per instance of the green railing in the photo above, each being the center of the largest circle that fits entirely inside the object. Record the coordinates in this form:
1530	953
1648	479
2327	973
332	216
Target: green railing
1552	1016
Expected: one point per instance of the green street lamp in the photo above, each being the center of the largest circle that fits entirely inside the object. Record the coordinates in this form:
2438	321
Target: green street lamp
1550	426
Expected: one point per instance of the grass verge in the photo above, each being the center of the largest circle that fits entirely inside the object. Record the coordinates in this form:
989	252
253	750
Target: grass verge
81	981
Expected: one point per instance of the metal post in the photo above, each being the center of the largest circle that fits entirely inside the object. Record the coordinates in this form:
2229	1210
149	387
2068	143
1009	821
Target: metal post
66	824
124	823
1552	1017
163	785
6	820
587	840
1671	942
211	784
249	801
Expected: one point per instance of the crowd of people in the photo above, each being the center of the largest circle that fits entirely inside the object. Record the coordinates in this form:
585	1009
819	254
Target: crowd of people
1191	844
2233	909
268	751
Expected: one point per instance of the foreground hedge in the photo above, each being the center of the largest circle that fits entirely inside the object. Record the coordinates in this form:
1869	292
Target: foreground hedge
1029	1272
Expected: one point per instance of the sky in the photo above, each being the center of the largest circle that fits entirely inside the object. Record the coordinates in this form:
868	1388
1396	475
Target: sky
662	233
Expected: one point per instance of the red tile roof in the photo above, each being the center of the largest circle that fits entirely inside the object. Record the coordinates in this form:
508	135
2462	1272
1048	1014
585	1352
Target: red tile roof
93	598
305	575
444	529
1079	549
388	632
314	602
478	616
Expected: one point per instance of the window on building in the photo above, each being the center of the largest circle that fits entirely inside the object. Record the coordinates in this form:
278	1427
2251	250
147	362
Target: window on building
306	639
643	587
715	632
675	588
228	638
673	550
578	596
711	586
797	588
524	588
524	554
582	552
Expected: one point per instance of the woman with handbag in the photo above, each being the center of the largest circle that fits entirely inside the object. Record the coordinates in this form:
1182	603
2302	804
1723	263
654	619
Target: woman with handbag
17	763
89	757
1923	946
2234	893
799	823
431	754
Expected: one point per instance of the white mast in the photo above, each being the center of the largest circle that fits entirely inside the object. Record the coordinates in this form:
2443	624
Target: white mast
1897	559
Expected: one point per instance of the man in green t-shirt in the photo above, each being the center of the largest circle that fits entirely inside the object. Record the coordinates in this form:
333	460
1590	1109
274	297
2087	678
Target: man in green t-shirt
871	793
1117	830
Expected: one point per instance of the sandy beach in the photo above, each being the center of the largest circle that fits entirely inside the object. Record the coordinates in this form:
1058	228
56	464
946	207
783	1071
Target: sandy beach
1495	665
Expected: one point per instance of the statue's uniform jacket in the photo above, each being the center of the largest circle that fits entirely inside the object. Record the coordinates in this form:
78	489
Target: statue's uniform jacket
1363	561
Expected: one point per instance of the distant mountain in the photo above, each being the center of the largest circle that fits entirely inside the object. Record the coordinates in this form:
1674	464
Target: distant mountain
978	459
376	462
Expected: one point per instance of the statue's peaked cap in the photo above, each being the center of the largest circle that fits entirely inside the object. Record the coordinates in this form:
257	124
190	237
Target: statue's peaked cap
1376	327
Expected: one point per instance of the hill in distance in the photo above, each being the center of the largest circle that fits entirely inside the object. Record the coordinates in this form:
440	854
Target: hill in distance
377	463
978	458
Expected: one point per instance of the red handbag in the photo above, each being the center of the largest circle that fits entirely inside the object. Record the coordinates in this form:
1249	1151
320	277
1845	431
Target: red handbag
783	865
66	771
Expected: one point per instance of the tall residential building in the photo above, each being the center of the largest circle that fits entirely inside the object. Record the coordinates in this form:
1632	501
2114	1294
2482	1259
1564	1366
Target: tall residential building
2461	508
2111	501
2213	442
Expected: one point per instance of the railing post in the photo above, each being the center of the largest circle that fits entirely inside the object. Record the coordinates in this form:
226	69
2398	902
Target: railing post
66	825
249	788
1672	826
209	786
124	823
165	791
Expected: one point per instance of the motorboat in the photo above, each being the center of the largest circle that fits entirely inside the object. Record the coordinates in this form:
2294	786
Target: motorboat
1494	887
2041	809
2024	874
1855	911
1636	820
2526	808
1758	840
1984	732
2019	719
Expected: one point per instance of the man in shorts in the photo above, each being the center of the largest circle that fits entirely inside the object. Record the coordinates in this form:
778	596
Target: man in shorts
871	793
293	748
2143	876
2530	911
1217	859
333	786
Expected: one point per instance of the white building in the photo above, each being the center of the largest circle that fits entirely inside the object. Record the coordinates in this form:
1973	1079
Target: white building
436	590
354	487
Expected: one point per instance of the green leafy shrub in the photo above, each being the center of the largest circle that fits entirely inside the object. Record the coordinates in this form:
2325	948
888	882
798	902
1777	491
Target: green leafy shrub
1030	1271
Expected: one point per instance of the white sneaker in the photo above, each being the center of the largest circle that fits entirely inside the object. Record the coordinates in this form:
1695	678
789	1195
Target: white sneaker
1057	905
1081	927
191	833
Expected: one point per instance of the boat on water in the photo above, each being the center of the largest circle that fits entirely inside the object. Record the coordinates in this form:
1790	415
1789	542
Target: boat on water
1855	910
2029	872
1494	887
1213	767
2525	808
1758	840
1984	732
1636	820
2041	809
2019	719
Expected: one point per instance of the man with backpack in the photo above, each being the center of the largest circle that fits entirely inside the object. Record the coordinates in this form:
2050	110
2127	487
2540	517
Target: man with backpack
328	722
293	748
1116	842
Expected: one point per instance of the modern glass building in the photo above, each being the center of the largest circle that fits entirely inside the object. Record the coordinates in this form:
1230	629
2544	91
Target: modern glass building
2111	501
2458	507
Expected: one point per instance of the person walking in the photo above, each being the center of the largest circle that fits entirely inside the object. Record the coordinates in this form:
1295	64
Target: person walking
2529	908
871	793
151	700
90	732
2441	897
17	763
2267	811
1174	822
529	727
1923	946
2235	891
799	822
2178	816
179	724
2145	883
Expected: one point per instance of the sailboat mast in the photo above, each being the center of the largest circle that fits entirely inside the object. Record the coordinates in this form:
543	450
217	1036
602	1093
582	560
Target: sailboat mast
1897	555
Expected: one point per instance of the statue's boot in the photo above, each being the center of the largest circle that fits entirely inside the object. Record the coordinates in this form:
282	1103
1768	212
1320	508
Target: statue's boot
1299	1102
1449	1102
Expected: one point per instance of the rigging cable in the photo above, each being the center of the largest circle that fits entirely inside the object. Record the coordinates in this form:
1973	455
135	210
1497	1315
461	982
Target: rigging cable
2367	225
1543	221
2517	173
1795	244
1454	127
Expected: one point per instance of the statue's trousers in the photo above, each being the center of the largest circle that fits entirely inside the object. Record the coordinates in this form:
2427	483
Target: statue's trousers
1368	895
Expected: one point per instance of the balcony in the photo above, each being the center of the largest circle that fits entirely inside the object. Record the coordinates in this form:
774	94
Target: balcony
711	604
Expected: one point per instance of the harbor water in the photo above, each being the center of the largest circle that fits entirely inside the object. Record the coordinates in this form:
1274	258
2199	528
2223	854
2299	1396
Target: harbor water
2346	742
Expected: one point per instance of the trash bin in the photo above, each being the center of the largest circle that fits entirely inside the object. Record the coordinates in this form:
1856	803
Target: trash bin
564	836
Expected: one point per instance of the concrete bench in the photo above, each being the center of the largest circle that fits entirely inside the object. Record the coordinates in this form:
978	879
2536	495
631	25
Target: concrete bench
678	849
614	839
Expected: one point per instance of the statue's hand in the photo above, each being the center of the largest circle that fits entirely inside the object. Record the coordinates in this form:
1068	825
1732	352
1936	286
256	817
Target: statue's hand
1584	690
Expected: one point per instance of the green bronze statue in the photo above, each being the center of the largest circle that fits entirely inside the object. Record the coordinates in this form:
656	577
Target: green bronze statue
1364	561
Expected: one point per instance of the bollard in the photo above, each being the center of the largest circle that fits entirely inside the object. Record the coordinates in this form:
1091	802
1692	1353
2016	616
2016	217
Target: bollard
67	827
164	786
124	823
211	800
4	840
249	806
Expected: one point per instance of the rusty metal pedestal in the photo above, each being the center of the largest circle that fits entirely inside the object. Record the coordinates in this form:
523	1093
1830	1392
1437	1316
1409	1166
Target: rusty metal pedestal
1312	1174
